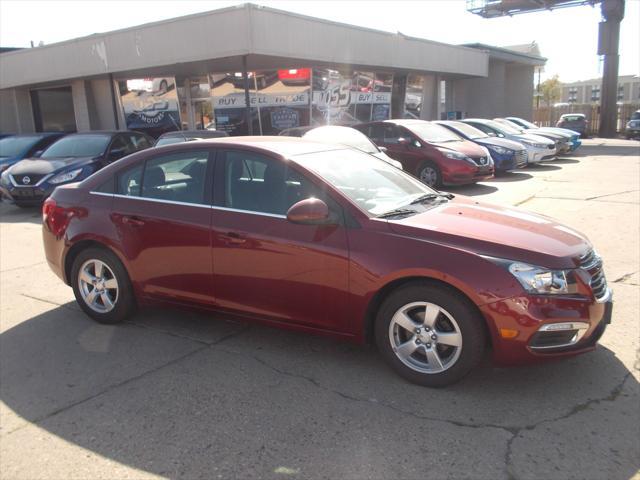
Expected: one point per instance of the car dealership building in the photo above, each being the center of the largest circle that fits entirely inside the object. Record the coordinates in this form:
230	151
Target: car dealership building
251	69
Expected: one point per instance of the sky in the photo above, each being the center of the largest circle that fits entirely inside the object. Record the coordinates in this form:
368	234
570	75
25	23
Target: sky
567	37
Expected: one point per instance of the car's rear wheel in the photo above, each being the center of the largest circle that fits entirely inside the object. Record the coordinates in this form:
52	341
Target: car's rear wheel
102	286
430	174
429	334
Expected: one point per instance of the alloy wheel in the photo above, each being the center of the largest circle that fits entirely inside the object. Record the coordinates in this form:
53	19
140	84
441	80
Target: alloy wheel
425	337
98	286
429	176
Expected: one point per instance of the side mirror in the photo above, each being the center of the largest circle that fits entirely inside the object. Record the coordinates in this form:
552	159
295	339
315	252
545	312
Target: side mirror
311	211
404	141
383	149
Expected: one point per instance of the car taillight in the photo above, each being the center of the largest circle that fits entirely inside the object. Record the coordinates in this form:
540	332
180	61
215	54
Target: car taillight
56	218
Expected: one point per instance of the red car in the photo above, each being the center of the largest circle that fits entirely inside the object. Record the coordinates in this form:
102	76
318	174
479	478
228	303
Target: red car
434	154
295	76
328	240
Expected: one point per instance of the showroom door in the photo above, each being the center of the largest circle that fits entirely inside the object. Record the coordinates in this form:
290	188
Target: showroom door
265	265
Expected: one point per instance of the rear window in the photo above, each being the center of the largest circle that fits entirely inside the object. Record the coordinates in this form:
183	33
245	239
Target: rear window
573	118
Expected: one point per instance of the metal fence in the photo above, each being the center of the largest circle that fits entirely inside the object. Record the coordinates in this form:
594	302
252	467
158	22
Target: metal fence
549	116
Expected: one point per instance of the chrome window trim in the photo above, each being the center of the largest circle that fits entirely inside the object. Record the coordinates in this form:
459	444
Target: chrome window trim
251	212
40	182
156	200
172	202
581	328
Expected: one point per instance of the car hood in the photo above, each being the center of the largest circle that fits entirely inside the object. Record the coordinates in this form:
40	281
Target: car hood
558	131
534	138
466	147
496	231
41	166
500	142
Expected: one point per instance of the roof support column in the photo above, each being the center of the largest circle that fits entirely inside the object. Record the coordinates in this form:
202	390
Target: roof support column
247	99
430	109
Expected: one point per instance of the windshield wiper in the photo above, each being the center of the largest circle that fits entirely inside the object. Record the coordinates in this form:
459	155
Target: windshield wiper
397	212
431	196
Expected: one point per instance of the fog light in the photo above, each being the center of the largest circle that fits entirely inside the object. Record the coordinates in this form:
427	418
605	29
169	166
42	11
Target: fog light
508	333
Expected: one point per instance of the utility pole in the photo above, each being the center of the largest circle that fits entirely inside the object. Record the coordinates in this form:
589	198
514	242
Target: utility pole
608	40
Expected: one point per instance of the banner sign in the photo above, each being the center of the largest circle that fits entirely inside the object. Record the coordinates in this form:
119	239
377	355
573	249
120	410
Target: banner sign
259	100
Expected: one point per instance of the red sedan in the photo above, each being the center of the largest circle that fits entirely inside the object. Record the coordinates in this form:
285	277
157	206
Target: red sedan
431	152
328	240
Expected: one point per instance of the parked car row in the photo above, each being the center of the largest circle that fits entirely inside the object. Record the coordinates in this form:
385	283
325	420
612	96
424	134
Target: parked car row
438	153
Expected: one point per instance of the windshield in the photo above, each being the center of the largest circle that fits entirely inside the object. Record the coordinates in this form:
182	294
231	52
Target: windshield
372	184
12	146
468	130
502	128
636	115
169	141
527	124
78	146
509	124
433	133
343	136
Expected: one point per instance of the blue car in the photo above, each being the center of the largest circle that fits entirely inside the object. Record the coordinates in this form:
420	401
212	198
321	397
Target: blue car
14	148
70	159
507	154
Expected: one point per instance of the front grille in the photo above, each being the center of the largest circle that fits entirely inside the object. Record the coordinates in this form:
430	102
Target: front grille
521	157
26	180
482	161
592	263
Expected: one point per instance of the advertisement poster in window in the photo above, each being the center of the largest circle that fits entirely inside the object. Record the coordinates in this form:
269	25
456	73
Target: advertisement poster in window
341	98
279	99
150	104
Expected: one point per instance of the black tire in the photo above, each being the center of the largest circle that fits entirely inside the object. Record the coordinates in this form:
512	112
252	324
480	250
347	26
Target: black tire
422	172
124	305
470	325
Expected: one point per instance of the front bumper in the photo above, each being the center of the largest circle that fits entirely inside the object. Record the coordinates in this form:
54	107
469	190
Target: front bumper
537	155
581	322
23	195
632	133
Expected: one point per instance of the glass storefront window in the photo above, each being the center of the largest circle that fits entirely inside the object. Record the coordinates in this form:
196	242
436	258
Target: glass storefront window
53	110
413	97
150	104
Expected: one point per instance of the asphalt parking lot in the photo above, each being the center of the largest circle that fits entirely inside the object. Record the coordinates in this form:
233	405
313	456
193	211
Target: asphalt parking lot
180	394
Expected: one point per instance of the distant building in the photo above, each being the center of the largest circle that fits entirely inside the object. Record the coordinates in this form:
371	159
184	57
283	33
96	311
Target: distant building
588	91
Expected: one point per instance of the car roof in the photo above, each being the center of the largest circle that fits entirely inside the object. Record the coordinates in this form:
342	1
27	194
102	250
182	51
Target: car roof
572	115
284	146
194	133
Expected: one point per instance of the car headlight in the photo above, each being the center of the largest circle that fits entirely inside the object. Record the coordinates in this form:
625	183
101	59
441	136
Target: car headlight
65	176
456	156
534	144
542	281
499	150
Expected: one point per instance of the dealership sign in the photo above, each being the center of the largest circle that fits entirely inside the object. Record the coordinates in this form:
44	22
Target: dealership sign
237	100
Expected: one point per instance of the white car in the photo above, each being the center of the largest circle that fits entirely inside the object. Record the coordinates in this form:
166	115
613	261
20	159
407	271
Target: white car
151	85
538	148
349	137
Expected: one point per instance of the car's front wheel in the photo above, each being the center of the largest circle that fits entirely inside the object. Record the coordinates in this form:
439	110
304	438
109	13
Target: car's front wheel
429	334
101	286
430	174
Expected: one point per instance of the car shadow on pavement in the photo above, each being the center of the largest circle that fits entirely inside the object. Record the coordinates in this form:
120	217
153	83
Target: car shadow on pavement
471	190
566	161
543	167
10	213
608	150
181	394
510	177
